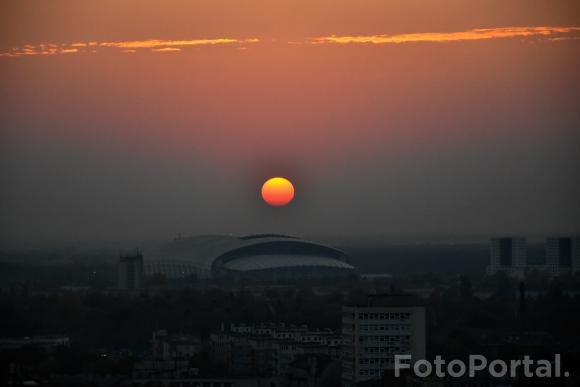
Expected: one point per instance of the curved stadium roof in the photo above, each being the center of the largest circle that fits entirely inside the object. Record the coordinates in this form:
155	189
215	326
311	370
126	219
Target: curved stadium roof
264	262
213	253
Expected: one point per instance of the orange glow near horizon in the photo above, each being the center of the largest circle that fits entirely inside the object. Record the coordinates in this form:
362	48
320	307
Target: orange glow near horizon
277	191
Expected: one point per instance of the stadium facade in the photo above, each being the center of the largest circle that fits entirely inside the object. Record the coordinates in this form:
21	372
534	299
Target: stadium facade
267	257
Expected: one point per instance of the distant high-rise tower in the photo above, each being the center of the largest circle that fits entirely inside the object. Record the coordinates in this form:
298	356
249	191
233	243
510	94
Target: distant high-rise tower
563	255
131	271
509	255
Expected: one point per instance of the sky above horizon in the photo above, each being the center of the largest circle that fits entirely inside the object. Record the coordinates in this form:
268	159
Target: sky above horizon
135	120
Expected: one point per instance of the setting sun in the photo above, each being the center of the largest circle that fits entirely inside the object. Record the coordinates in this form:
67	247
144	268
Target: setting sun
277	191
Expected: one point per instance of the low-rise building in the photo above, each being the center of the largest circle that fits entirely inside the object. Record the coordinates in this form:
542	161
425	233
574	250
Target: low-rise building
267	349
48	343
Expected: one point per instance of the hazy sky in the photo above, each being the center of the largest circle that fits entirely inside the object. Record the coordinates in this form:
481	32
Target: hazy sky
127	120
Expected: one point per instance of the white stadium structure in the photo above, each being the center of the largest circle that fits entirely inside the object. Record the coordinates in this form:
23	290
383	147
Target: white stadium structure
257	257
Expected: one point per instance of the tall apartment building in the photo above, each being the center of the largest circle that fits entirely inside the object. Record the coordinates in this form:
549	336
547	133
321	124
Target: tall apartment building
509	255
563	255
374	333
130	271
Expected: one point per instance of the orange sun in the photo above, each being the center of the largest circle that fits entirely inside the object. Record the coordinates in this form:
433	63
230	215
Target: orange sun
277	191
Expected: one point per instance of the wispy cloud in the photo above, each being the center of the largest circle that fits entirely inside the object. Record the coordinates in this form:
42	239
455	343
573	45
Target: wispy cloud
166	49
563	38
154	43
547	33
475	34
129	46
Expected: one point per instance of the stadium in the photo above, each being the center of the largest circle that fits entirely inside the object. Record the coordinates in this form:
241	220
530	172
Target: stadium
263	257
